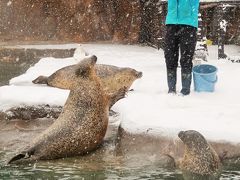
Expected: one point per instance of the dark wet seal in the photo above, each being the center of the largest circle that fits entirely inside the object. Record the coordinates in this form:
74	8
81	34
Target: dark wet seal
200	161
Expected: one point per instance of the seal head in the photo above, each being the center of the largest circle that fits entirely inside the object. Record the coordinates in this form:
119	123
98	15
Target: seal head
199	157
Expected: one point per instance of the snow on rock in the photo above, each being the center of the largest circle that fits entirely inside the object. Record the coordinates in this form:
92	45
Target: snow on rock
149	109
234	59
14	96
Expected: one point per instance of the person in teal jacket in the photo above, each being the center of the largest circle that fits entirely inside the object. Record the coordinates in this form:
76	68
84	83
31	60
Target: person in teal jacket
182	24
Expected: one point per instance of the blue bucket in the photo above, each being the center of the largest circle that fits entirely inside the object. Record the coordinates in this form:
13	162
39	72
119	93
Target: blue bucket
204	77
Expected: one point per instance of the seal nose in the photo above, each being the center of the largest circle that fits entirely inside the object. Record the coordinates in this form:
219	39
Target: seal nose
181	134
94	59
139	74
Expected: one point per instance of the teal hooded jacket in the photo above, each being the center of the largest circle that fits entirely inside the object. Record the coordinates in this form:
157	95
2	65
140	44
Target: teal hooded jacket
183	12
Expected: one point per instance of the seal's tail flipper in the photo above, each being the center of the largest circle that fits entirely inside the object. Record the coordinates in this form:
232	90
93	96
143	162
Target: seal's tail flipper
17	157
40	80
22	157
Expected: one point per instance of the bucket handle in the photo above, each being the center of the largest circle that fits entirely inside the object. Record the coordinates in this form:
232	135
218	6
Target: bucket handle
210	81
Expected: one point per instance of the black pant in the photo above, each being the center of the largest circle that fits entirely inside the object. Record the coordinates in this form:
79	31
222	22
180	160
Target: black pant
181	37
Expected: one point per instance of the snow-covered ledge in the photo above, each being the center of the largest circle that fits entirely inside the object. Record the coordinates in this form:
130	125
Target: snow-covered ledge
148	110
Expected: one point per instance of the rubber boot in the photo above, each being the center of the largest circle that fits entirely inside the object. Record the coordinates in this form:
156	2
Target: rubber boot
186	83
171	79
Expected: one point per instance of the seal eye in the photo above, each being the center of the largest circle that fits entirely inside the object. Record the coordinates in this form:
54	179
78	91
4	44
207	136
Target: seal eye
83	72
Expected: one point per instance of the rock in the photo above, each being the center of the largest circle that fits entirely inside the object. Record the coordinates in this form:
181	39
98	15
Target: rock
158	150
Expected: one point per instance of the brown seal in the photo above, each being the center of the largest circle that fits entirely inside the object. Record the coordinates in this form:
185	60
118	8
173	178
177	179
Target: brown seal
199	157
81	126
113	78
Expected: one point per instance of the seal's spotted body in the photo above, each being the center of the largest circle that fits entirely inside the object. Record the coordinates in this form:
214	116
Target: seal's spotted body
113	78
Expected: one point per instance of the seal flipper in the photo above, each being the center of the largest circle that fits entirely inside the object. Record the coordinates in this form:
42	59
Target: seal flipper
114	97
25	156
41	80
17	157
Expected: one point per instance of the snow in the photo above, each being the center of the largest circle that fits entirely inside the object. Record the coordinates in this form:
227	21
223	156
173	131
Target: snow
223	25
45	46
14	96
147	109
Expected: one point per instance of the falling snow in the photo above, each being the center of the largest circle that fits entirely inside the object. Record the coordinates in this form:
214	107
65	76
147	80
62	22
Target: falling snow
9	3
148	108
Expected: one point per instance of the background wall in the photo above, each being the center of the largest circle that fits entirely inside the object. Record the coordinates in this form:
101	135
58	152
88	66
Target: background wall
77	20
124	21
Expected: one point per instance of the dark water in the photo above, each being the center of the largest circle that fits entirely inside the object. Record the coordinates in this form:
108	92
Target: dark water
103	164
100	165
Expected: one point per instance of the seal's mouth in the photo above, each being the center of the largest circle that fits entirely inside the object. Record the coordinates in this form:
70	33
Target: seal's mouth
181	135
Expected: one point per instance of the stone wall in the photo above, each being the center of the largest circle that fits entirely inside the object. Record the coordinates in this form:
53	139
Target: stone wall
74	20
124	21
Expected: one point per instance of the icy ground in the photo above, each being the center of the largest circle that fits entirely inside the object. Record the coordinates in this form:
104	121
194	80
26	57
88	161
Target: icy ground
147	109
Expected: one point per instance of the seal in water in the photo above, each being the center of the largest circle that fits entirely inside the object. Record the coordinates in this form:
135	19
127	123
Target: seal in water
199	157
81	126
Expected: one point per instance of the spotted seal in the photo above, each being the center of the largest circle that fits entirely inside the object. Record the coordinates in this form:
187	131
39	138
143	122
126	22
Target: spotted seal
81	126
113	78
199	157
